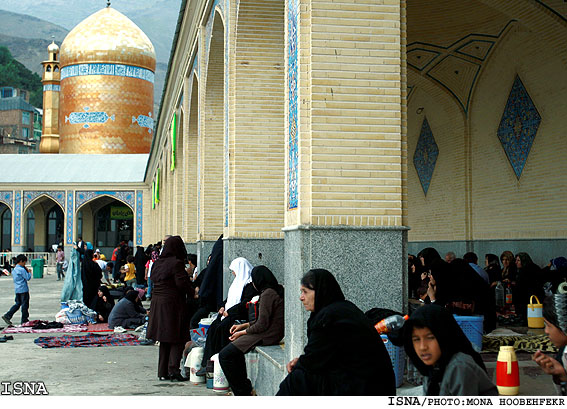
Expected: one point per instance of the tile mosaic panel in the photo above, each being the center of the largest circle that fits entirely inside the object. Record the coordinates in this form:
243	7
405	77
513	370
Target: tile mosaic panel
292	27
7	197
57	195
83	197
145	121
139	216
70	217
119	70
87	118
17	217
51	87
425	155
518	126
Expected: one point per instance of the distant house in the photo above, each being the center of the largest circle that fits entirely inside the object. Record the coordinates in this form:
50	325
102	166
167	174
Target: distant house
18	120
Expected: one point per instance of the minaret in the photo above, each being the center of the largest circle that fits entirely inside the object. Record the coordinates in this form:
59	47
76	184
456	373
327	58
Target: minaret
51	87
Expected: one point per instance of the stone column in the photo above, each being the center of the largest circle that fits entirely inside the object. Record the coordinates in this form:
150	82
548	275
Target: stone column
346	154
256	148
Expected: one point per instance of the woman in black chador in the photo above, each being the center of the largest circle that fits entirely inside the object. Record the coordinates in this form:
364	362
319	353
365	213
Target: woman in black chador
330	365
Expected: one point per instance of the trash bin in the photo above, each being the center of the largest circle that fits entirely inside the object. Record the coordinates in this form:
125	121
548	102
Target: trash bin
37	267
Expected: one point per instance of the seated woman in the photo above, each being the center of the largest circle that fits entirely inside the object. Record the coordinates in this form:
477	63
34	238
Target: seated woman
104	304
555	318
127	313
267	329
441	352
327	367
240	292
528	283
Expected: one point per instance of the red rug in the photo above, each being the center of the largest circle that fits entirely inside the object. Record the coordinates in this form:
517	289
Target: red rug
101	327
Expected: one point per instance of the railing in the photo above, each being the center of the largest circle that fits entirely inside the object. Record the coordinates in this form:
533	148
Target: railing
50	260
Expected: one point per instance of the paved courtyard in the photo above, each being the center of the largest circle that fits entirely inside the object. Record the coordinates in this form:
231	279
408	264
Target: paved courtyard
102	371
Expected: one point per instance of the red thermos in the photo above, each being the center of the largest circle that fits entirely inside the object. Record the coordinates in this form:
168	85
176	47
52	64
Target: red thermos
507	372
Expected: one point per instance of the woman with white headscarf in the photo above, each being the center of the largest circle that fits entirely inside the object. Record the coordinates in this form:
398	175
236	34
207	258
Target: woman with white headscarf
241	291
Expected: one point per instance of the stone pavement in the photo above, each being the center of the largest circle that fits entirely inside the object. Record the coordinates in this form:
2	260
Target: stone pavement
99	371
132	370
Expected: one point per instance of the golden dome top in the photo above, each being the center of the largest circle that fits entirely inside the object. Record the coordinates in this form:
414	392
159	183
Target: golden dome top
108	36
53	48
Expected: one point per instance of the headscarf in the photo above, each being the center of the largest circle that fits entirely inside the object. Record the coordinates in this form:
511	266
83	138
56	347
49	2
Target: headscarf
263	278
210	290
171	259
132	295
242	268
555	311
326	287
558	263
450	337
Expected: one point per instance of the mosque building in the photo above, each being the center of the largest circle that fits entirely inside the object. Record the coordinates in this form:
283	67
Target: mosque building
310	134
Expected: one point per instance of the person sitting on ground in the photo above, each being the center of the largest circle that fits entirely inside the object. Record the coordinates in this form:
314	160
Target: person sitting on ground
241	291
267	329
441	352
104	304
472	259
326	366
130	278
493	269
127	313
450	256
555	319
528	283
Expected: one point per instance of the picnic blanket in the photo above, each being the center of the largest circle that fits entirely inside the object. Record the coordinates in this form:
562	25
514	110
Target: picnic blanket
100	327
19	329
87	341
525	343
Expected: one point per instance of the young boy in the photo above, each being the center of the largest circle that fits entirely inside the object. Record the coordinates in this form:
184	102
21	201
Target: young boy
21	275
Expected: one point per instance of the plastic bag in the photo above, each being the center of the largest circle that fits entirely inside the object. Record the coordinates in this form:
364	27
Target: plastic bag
198	337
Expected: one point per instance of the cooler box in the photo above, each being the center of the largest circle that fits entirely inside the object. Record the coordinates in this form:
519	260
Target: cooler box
398	358
37	267
472	326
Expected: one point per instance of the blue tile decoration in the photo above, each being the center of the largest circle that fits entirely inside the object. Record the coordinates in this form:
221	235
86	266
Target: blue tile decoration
87	118
518	126
57	195
144	121
6	197
293	159
118	70
51	87
139	216
70	214
17	217
126	196
425	155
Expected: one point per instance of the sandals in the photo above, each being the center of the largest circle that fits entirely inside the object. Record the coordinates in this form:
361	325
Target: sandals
6	338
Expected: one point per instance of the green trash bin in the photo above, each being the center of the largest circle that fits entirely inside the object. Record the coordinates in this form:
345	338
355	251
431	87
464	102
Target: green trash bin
37	267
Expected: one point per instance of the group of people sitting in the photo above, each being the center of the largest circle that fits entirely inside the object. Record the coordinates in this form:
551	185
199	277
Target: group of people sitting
461	285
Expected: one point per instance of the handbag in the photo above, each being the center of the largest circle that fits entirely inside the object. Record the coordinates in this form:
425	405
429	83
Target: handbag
252	307
535	314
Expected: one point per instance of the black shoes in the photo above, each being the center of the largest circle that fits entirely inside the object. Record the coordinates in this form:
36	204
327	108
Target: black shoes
178	378
201	372
6	338
7	320
164	378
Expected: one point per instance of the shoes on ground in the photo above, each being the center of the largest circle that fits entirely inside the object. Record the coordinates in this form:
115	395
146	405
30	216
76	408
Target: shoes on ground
147	342
201	372
141	327
178	378
119	329
164	378
6	338
7	320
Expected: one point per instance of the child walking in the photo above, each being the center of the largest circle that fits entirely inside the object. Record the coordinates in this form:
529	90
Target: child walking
21	275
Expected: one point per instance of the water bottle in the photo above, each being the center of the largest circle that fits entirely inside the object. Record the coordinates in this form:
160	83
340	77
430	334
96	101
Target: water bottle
391	323
508	295
499	295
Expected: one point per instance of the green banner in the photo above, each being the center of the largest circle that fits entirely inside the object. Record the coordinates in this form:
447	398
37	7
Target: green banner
121	213
173	140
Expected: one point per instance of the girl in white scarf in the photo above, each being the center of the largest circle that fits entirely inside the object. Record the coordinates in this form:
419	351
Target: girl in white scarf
241	269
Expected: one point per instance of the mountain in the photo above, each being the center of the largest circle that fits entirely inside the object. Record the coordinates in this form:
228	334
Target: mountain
13	73
24	26
156	18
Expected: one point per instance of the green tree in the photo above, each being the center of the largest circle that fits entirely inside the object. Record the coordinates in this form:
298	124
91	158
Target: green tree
15	74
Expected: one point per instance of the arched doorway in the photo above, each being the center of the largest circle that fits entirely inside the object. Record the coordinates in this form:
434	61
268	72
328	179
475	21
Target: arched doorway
54	231
5	227
44	223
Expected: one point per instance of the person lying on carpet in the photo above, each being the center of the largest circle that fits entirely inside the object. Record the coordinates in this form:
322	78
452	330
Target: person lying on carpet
127	313
555	319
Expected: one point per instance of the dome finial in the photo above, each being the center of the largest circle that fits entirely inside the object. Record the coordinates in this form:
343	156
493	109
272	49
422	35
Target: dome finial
108	3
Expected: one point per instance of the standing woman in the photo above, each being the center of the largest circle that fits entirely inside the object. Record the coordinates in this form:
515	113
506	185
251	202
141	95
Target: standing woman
140	260
92	277
267	329
168	322
326	366
73	285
